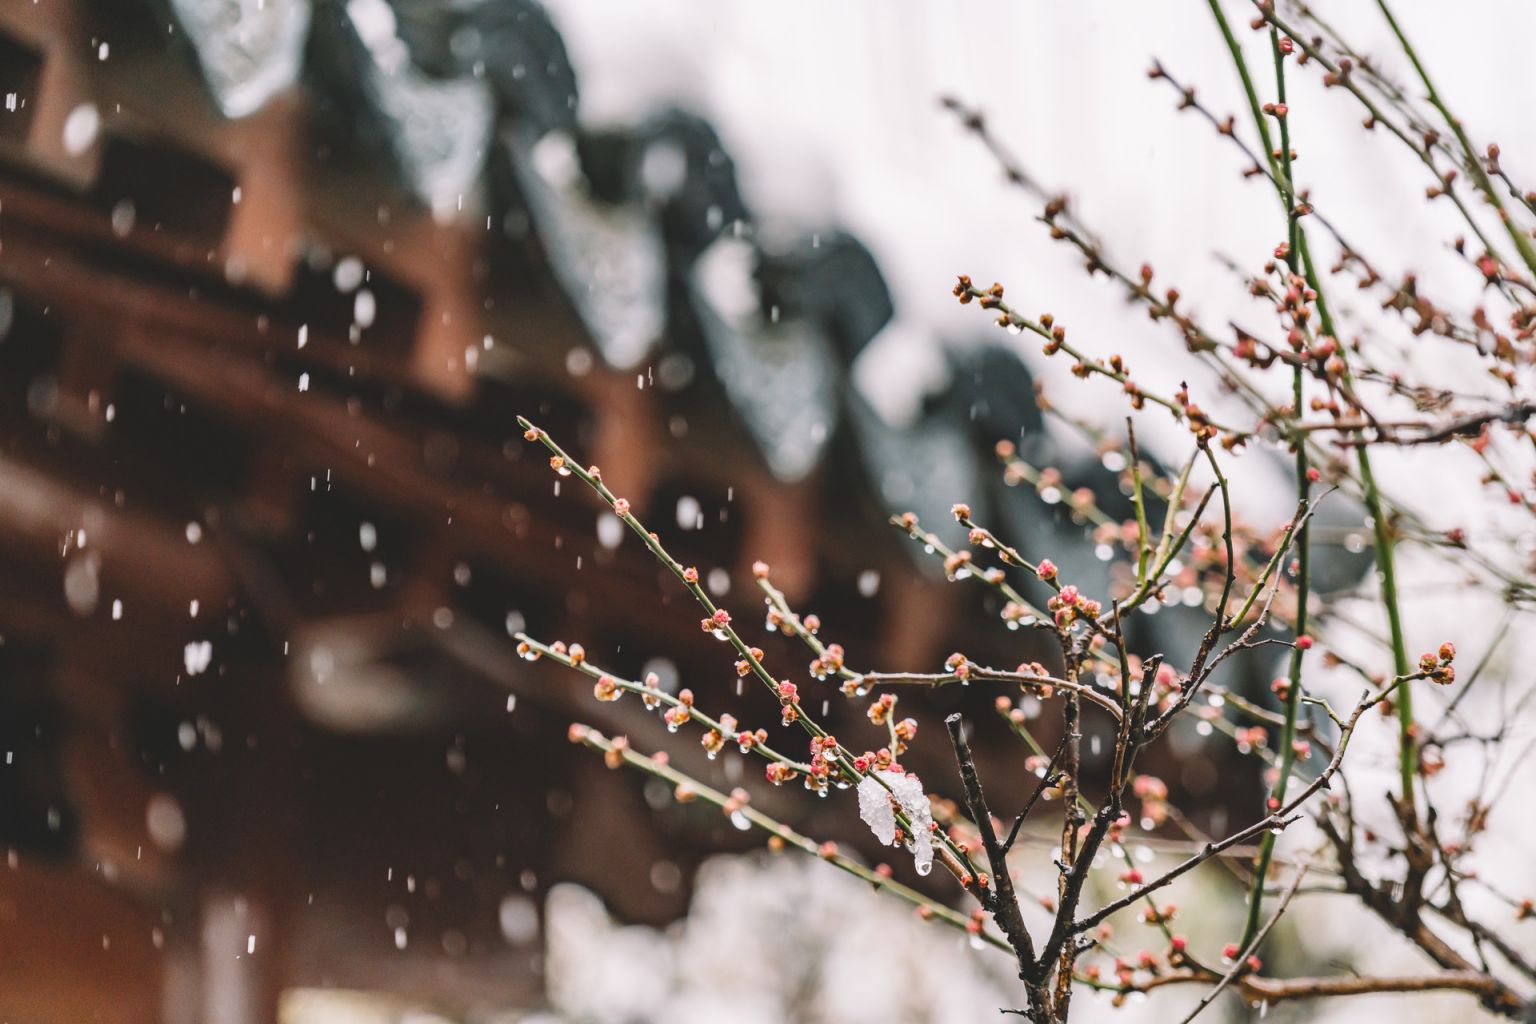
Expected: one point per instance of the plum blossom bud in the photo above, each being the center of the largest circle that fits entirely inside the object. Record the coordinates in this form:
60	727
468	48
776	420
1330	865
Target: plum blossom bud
961	511
778	774
620	507
759	570
1046	569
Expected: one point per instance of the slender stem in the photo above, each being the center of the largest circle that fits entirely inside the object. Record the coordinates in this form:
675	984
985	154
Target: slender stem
563	461
1287	196
658	697
1381	534
663	770
1002	901
1278	819
1143	532
1473	163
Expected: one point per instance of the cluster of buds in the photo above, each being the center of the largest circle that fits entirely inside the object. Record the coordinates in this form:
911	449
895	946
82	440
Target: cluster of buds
1034	668
1153	794
1018	716
1437	666
855	686
744	665
738	799
1166	684
606	689
575	652
958	665
1116	833
716	623
1250	738
713	741
789	698
1199	422
778	621
613	757
1230	952
652	697
828	663
745	741
1014	614
1068	604
1058	334
779	773
1281	688
824	767
881	760
880	710
679	714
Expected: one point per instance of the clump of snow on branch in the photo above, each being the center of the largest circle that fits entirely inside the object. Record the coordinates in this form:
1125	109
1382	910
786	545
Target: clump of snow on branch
877	806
